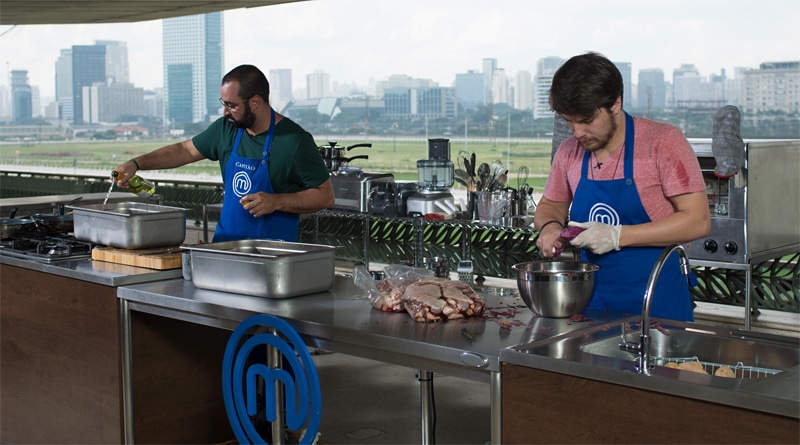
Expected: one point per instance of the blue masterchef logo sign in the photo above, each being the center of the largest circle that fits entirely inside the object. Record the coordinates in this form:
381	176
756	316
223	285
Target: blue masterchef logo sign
241	377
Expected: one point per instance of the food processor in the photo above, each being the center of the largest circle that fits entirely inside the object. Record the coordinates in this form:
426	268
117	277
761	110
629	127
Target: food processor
434	179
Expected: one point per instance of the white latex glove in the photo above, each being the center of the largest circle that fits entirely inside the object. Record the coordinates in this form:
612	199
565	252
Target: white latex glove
598	237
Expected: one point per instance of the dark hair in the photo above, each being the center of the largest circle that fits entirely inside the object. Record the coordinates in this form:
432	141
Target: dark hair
252	82
585	83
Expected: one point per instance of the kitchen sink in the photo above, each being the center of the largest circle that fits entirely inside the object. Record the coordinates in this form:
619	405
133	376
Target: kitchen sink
766	367
747	354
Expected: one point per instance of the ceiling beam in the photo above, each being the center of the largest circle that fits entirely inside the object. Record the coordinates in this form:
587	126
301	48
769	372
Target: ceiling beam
60	12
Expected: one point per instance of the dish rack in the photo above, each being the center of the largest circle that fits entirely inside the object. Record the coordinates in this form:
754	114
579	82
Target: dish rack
741	370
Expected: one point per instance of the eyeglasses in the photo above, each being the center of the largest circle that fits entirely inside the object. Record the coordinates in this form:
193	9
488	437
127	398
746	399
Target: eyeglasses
231	106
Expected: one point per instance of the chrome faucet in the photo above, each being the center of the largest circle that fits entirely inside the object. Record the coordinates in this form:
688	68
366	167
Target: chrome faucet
643	347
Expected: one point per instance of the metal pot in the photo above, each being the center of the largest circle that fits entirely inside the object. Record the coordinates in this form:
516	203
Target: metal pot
332	154
15	227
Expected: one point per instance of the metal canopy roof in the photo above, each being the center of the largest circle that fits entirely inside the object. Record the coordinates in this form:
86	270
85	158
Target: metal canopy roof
52	12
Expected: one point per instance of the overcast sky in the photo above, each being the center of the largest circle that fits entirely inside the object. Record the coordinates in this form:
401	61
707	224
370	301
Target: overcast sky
355	40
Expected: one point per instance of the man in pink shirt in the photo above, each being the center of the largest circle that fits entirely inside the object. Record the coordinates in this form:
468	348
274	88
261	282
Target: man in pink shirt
634	185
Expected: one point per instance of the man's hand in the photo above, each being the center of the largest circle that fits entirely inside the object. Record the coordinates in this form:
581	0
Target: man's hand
598	237
259	203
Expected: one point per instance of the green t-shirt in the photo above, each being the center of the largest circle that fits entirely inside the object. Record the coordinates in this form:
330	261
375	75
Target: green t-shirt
295	163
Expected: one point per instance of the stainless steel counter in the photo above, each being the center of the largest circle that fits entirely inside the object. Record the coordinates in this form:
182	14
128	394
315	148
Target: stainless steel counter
344	316
342	320
98	272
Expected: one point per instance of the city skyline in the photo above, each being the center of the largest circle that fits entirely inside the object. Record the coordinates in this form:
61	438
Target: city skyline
358	41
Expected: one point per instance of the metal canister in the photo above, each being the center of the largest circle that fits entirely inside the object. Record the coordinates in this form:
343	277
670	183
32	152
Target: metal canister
438	264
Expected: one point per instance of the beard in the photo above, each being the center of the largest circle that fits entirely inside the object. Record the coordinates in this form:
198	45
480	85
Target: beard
591	143
247	120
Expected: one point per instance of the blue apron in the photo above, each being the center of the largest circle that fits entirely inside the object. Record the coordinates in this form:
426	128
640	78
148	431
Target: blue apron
244	176
622	278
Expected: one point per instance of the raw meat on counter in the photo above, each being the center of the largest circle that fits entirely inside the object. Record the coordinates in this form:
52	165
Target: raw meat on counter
391	296
430	299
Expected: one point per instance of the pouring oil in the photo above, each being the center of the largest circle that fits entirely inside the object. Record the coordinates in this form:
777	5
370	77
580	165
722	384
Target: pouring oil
108	194
138	185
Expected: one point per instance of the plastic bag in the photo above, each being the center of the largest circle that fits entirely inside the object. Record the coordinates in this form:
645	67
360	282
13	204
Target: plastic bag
385	294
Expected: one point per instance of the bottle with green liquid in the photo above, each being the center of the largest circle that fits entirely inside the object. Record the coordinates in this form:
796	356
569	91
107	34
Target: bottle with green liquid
138	185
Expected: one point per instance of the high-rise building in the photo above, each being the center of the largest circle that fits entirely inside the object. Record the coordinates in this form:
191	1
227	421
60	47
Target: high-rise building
117	70
541	96
193	63
734	87
713	91
112	103
500	87
469	89
280	87
523	91
424	102
489	66
88	67
545	69
547	66
154	103
774	86
685	85
402	81
652	93
318	85
21	97
83	66
64	85
627	88
5	103
36	101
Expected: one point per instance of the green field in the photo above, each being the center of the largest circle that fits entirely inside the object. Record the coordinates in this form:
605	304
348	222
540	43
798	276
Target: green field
387	156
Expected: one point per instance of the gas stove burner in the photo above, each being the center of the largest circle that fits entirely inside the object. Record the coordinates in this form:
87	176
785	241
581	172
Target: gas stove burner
46	248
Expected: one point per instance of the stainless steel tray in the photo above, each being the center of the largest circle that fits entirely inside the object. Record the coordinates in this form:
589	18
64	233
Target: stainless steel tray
263	268
129	225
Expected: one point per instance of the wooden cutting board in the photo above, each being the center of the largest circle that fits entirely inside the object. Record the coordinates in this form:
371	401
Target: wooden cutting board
161	258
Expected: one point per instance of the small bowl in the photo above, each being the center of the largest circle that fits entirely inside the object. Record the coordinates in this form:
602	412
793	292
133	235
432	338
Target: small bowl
556	289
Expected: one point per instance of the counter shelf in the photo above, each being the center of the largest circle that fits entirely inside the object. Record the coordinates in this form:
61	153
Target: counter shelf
396	240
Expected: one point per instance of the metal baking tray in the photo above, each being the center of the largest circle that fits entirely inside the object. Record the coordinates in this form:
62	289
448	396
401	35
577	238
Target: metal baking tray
129	225
263	268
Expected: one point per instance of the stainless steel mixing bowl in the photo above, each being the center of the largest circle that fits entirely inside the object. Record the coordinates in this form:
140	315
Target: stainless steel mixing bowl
556	289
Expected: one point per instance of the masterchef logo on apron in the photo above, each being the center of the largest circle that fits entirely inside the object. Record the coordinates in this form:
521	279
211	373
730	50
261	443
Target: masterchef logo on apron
241	184
604	213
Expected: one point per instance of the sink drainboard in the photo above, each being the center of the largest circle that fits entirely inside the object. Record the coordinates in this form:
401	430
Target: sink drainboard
741	370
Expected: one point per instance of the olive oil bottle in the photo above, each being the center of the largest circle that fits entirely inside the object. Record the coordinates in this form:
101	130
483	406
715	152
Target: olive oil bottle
138	185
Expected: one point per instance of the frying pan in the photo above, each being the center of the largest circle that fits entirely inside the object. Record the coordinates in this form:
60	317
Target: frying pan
15	227
51	224
57	223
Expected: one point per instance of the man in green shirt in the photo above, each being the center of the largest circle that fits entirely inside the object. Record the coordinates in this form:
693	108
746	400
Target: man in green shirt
271	167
